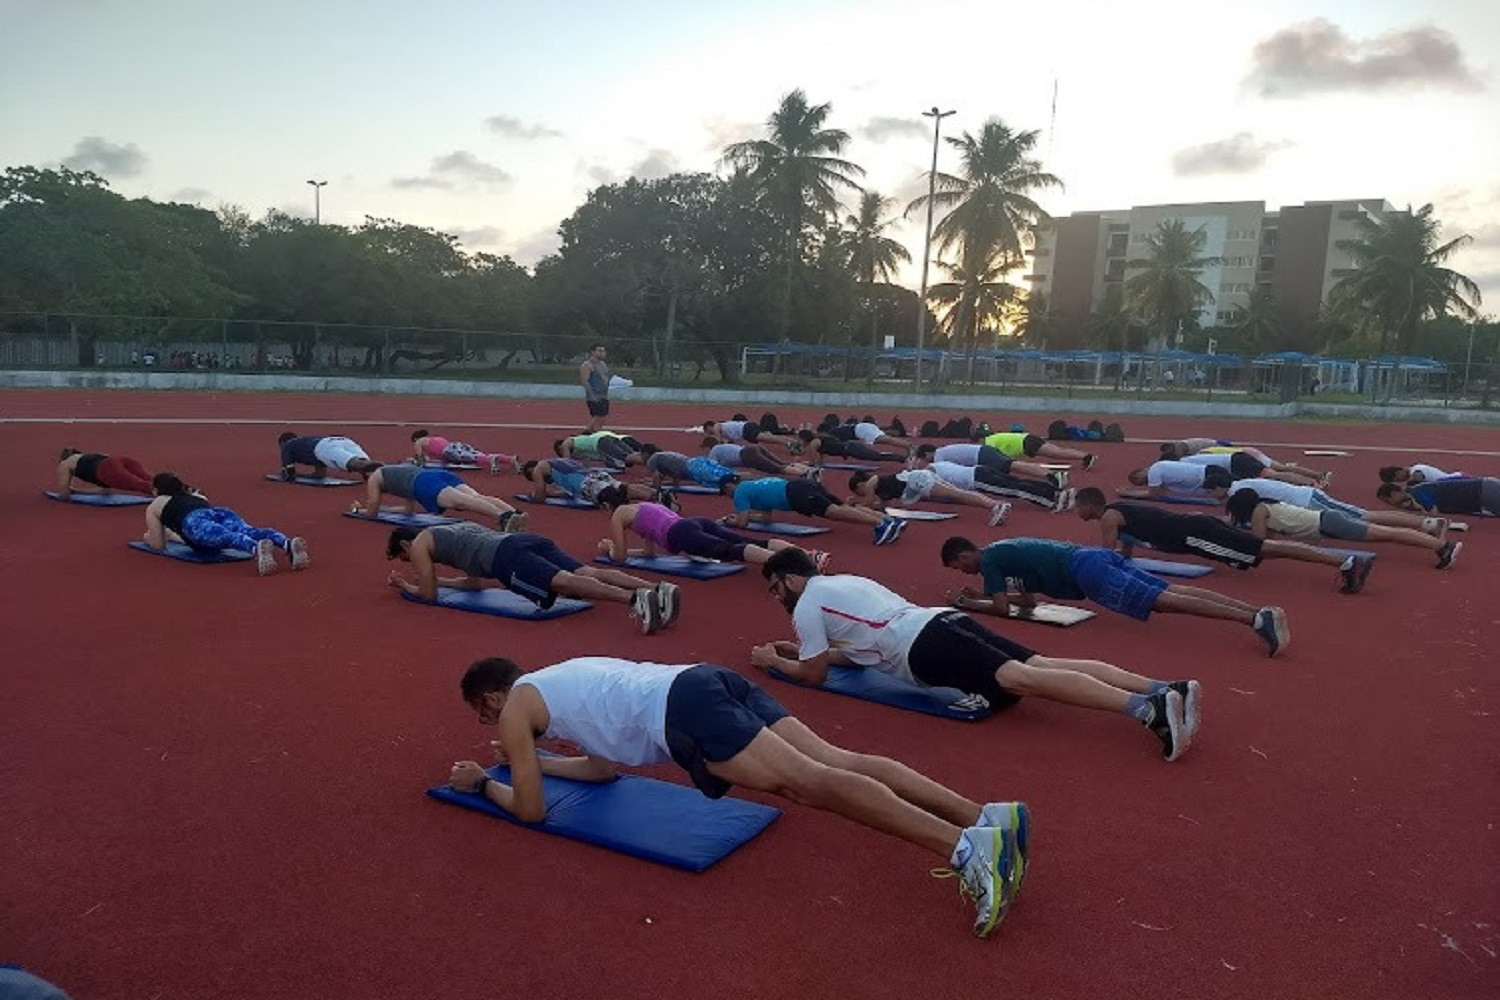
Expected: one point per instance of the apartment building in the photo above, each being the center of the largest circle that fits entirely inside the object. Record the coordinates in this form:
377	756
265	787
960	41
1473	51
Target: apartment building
1293	251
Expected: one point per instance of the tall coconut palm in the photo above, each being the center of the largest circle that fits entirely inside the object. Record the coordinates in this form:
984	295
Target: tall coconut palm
1109	326
1258	327
873	256
1399	280
798	172
1165	291
988	209
975	297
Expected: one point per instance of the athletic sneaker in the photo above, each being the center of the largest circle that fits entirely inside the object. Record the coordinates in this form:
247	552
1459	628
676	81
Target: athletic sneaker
1192	696
265	557
515	464
296	550
1448	553
666	597
288	473
1010	816
821	559
513	521
1169	725
668	499
647	607
1058	479
1066	500
1356	575
815	473
984	860
494	465
1270	624
998	514
1437	527
888	530
795	447
1090	460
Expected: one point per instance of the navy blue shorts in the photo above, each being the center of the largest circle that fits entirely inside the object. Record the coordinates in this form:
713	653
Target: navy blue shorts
1108	580
526	564
712	715
426	487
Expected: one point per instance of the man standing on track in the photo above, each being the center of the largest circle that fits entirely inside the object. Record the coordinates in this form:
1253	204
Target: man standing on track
594	376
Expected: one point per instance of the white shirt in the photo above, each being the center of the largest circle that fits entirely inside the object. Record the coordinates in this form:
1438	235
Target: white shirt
868	432
960	476
861	620
919	483
732	430
1273	489
1183	476
958	454
607	707
1431	472
1217	461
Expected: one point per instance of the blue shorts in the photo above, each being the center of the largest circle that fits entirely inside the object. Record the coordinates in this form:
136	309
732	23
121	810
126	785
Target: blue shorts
426	487
1107	579
706	472
569	482
712	715
526	564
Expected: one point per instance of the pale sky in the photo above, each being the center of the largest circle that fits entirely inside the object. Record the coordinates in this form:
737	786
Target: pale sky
492	119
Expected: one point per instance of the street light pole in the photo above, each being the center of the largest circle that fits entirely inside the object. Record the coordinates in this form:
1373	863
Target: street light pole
318	187
937	124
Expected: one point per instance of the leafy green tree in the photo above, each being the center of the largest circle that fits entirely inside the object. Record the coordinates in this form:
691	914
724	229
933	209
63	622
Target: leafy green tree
1164	292
1109	326
975	299
1259	326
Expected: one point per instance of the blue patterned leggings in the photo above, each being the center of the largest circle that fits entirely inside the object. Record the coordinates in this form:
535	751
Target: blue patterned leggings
217	528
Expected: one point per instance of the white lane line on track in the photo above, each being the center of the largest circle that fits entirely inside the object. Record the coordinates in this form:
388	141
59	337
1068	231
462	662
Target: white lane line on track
675	429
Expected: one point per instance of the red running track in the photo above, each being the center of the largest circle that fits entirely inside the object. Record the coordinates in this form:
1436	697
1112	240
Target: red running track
213	782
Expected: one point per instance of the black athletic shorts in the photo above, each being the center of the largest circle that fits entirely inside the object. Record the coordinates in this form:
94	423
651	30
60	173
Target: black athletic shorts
712	715
598	407
955	651
1216	478
1031	444
809	498
526	564
1243	465
1213	539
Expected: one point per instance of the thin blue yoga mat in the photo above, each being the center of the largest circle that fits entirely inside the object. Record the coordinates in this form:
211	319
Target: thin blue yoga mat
872	685
784	528
500	603
100	499
572	502
185	553
401	519
313	480
692	569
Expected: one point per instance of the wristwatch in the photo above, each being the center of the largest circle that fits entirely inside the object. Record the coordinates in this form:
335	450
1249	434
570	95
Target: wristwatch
479	785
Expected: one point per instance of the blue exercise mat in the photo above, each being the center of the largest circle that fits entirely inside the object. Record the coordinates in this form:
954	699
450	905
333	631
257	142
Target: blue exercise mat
693	569
920	515
868	684
784	528
573	502
186	553
401	519
850	466
500	603
693	490
1170	567
100	499
643	817
314	480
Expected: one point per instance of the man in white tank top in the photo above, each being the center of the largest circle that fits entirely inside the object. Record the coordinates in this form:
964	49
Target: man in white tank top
724	731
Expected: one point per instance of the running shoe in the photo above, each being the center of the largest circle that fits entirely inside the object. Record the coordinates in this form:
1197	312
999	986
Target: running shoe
984	861
265	557
296	550
888	530
821	559
513	521
515	464
494	465
1058	479
1090	460
646	607
666	598
288	474
1192	697
1448	553
815	473
1066	500
1010	816
1356	575
1437	527
1271	625
1169	725
668	499
998	514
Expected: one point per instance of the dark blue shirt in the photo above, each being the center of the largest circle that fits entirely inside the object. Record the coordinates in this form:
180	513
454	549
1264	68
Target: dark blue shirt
300	451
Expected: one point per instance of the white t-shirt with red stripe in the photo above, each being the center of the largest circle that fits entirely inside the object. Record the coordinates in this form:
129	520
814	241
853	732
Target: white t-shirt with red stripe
861	621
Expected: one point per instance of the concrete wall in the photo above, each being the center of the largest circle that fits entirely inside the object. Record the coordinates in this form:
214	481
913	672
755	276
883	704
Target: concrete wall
737	398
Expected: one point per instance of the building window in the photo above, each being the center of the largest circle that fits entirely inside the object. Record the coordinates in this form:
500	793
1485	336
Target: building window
1268	263
1117	245
1114	270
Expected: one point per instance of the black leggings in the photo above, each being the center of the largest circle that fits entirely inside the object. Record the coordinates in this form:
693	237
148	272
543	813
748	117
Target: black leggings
613	449
753	456
988	479
954	651
832	447
707	539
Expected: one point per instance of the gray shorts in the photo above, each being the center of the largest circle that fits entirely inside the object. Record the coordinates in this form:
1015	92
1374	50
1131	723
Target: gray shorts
1337	524
1322	501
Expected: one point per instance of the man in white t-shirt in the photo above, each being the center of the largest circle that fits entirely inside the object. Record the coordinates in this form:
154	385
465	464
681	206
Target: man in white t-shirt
725	731
852	621
1168	478
989	479
916	485
983	456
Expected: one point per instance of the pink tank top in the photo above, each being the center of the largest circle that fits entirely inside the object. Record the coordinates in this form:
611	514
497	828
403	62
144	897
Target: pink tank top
435	446
652	522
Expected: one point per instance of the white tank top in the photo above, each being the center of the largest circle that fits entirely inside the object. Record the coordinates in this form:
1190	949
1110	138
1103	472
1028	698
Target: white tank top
607	707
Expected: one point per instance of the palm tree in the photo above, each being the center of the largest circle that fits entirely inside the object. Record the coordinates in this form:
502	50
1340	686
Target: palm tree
798	173
873	256
989	209
1399	280
1165	292
974	298
1258	326
1109	325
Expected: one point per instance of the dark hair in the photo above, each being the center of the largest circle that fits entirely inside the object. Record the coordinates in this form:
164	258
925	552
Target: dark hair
168	484
828	423
395	538
1388	473
1168	449
68	453
923	450
595	347
867	419
708	442
285	437
740	416
789	562
858	479
888	487
612	497
650	449
528	467
955	547
1241	504
706	424
416	435
557	447
1093	496
494	673
1388	490
806	436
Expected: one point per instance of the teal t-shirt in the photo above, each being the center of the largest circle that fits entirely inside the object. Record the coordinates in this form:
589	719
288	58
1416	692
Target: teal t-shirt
761	494
1029	566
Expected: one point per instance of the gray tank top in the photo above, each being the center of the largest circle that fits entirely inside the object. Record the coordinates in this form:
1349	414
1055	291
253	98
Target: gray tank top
468	548
399	480
598	387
